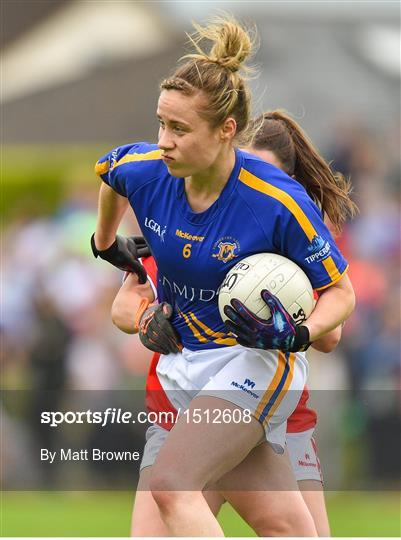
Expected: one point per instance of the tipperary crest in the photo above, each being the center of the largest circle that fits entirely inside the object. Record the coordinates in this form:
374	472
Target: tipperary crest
226	249
316	244
319	250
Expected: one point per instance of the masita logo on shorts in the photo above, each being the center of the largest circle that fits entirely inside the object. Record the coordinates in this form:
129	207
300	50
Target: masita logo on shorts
244	388
319	250
156	228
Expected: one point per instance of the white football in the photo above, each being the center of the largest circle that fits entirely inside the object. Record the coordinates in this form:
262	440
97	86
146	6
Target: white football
279	275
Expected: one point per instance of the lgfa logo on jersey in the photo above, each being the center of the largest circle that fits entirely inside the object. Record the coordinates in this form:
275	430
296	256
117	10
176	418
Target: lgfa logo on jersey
319	250
156	228
226	249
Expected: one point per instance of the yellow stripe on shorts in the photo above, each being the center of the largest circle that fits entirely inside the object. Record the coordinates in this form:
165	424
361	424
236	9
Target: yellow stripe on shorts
278	387
284	390
273	385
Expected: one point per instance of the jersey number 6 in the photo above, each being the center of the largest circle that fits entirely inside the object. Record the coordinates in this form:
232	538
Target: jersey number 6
186	251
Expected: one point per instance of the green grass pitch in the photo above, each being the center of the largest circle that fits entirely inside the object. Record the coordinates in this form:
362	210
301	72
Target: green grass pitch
108	514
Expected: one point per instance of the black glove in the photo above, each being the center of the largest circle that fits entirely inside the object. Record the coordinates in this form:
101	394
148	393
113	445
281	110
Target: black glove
278	332
155	329
141	245
124	253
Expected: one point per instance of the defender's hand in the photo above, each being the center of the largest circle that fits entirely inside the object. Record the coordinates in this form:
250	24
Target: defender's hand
143	250
123	253
278	332
155	330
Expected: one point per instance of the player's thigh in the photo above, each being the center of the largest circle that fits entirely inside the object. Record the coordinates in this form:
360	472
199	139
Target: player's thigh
263	490
313	495
197	453
146	519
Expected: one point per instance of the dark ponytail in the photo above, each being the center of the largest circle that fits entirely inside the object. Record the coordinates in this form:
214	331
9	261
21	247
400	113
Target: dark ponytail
280	134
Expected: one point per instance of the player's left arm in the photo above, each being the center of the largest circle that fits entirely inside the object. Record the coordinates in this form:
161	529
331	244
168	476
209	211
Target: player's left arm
302	225
334	306
329	341
301	236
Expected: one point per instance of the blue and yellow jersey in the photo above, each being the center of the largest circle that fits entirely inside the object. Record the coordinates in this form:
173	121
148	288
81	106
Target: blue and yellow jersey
260	209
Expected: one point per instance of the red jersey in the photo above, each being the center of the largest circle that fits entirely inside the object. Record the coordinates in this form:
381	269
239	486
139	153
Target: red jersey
302	419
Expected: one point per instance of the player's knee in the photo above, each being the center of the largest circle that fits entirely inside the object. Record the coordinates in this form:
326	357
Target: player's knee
165	500
165	490
163	480
280	522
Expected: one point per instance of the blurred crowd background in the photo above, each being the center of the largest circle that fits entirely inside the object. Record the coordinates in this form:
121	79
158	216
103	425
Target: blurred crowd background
82	77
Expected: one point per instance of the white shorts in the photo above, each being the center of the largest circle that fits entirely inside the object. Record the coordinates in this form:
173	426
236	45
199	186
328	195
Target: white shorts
301	449
267	383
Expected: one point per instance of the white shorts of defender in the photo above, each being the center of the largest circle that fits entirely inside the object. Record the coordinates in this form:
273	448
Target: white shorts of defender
266	383
301	449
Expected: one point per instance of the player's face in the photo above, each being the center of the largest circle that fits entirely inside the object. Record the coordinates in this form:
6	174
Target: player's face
266	155
189	144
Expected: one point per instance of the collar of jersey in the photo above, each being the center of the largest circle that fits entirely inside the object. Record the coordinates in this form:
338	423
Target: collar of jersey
201	218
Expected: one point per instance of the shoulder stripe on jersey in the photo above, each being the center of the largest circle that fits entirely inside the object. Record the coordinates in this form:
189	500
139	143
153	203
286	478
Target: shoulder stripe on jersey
104	167
256	183
147	156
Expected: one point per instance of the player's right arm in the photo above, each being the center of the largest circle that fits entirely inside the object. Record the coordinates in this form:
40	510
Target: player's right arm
111	209
113	201
128	302
123	171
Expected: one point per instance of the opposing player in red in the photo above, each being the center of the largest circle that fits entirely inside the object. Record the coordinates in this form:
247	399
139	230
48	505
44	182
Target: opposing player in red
280	141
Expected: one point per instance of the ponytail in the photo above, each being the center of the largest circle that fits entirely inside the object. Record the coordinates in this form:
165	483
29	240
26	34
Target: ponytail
279	133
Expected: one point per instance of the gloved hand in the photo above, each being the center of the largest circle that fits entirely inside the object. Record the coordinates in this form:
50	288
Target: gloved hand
124	253
141	245
278	332
155	330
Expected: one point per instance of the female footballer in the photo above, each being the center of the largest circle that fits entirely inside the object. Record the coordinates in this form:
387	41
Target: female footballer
202	204
280	141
